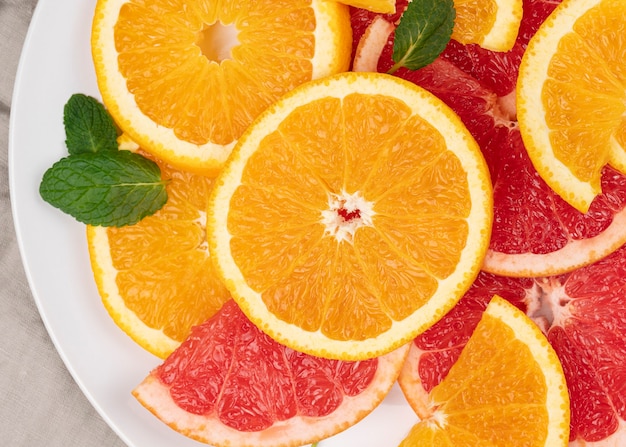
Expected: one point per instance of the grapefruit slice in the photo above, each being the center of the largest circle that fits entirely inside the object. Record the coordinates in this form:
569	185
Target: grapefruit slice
535	232
230	384
582	315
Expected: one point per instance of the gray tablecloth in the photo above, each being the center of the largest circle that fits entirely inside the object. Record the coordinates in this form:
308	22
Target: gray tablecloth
40	404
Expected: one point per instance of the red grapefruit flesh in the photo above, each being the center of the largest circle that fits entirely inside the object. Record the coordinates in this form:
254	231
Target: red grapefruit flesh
535	232
229	384
582	313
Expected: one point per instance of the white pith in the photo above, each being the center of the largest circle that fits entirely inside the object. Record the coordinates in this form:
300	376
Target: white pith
547	303
438	419
335	224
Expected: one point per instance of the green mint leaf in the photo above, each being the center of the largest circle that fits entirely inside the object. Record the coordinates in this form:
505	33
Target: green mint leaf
88	126
110	188
423	33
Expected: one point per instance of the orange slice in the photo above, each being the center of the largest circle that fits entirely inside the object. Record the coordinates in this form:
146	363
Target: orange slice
229	384
507	388
492	24
185	78
351	216
156	278
382	6
571	97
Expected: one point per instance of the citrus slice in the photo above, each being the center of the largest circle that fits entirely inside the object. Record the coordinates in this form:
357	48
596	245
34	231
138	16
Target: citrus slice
571	97
535	232
229	384
381	6
185	78
582	315
506	388
156	278
351	215
492	24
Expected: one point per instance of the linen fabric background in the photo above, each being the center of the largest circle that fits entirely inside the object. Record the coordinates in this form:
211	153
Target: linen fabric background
40	404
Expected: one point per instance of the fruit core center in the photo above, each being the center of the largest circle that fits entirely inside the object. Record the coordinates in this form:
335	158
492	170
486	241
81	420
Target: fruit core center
346	213
548	303
217	40
436	417
506	108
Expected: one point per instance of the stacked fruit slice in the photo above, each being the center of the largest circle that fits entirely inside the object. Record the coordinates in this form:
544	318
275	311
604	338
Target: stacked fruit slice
505	389
572	98
581	314
536	233
351	215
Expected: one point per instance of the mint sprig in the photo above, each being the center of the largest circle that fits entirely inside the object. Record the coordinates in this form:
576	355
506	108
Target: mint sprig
423	33
98	184
88	126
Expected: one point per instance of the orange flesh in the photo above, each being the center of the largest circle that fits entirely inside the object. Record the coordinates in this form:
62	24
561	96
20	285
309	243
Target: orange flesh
389	268
471	411
183	67
470	31
163	263
586	98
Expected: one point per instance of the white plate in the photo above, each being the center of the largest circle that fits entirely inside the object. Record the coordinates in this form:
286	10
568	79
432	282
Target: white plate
106	364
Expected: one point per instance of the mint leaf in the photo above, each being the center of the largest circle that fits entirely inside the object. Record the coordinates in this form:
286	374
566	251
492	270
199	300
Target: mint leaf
108	188
423	33
88	126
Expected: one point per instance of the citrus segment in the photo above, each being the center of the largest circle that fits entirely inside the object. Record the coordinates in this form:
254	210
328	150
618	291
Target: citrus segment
156	278
492	24
230	384
184	79
580	312
506	388
351	215
571	96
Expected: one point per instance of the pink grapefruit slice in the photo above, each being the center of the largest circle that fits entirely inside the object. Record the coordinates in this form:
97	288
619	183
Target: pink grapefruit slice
229	384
